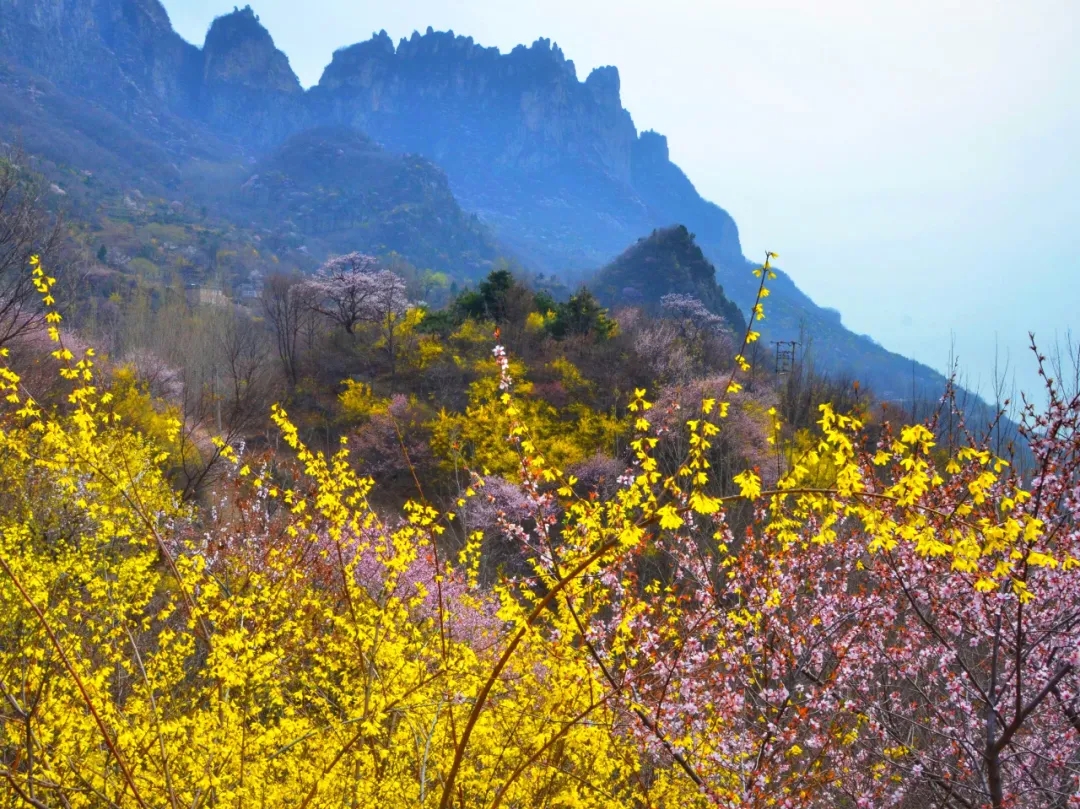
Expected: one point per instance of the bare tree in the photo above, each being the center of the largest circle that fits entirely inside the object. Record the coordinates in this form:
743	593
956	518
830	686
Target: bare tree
244	358
26	229
287	302
215	367
1065	363
227	397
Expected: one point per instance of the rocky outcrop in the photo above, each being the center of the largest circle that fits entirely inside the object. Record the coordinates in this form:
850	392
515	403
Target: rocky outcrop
123	54
612	130
523	110
149	53
547	159
102	84
667	261
247	89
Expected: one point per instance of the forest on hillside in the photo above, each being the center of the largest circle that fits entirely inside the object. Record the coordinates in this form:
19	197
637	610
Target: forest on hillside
358	536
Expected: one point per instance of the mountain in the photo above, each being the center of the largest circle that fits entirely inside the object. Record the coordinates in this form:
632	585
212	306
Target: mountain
109	99
557	168
667	261
541	156
246	88
344	192
551	164
123	54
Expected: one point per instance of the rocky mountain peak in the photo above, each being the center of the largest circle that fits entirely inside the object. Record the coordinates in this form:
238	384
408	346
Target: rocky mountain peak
123	54
652	147
545	58
605	86
248	88
240	51
525	109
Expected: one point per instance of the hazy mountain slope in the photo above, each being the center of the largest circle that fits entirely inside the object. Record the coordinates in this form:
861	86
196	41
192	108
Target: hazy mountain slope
246	89
346	193
669	192
121	53
557	168
127	105
543	157
553	164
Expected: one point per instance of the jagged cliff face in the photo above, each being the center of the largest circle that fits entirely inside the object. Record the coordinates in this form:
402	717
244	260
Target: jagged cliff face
246	88
103	85
554	164
551	162
523	110
122	53
125	56
148	52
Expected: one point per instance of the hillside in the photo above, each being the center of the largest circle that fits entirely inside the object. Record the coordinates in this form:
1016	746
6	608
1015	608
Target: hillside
667	261
553	165
344	192
412	441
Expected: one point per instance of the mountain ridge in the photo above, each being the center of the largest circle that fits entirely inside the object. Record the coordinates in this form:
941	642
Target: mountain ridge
552	164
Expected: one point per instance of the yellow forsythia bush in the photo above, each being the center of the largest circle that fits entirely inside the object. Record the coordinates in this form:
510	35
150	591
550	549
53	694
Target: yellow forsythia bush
289	647
299	652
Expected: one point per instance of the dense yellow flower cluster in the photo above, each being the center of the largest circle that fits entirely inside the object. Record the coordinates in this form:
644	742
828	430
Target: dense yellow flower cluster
329	658
138	672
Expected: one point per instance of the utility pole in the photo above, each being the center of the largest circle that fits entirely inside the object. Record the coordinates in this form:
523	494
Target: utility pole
785	355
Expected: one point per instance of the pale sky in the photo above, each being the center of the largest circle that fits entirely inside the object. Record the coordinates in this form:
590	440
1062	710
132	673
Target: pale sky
915	163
